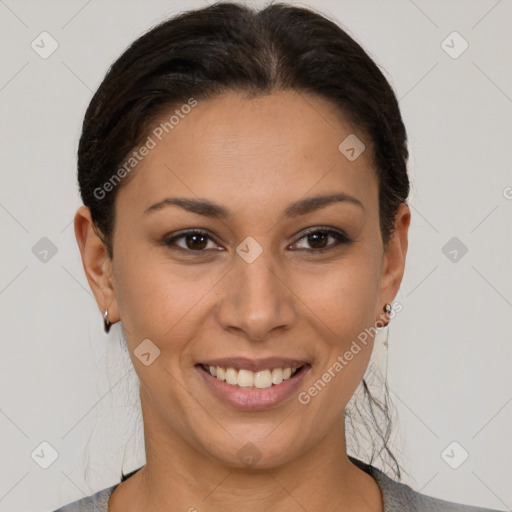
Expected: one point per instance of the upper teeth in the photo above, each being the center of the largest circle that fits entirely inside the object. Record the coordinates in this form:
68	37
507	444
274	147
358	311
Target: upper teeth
247	378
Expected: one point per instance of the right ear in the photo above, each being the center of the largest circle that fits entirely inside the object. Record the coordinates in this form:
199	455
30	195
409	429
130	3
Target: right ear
96	262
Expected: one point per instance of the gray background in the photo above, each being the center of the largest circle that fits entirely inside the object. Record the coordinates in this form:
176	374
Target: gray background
64	382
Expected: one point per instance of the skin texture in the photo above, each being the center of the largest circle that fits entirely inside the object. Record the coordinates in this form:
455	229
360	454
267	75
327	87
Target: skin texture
254	156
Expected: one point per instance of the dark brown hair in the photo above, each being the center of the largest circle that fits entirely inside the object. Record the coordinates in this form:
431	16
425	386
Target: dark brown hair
230	47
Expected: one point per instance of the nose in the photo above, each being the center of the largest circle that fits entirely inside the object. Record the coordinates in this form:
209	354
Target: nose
257	301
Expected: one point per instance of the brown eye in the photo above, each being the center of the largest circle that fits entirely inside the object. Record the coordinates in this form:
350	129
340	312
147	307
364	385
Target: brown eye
196	241
193	241
318	239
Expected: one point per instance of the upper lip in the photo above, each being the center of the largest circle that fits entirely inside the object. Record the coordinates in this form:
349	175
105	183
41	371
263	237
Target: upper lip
255	365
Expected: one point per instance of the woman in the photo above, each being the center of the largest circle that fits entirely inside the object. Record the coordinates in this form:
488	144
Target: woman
244	179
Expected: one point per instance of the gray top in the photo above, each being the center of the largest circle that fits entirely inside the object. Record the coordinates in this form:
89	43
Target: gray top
397	497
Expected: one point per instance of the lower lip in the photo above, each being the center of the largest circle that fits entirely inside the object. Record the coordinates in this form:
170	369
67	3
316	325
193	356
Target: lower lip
254	398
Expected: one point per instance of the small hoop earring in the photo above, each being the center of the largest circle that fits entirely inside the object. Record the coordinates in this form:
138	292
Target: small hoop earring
106	323
387	309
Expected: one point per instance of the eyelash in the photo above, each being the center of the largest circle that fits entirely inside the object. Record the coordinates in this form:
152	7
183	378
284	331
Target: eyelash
341	238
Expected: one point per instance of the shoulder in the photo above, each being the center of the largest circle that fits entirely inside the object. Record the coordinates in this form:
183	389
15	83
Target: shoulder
398	497
96	503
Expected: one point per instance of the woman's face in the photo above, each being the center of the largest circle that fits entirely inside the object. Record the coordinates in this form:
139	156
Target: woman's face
254	286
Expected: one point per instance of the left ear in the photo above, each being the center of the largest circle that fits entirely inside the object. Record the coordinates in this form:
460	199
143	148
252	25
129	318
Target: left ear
393	263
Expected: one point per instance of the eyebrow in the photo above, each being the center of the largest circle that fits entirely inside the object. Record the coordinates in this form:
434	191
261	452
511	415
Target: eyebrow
210	209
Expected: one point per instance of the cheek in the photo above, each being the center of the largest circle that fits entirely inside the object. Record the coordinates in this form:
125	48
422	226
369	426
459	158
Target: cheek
342	306
157	297
342	295
341	302
142	294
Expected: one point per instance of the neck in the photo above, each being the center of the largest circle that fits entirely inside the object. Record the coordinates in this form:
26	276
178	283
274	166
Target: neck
176	476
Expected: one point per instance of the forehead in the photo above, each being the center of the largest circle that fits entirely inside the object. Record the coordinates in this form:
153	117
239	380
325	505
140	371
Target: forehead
235	147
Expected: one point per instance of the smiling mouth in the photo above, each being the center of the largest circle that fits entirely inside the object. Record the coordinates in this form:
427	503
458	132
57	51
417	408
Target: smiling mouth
243	378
